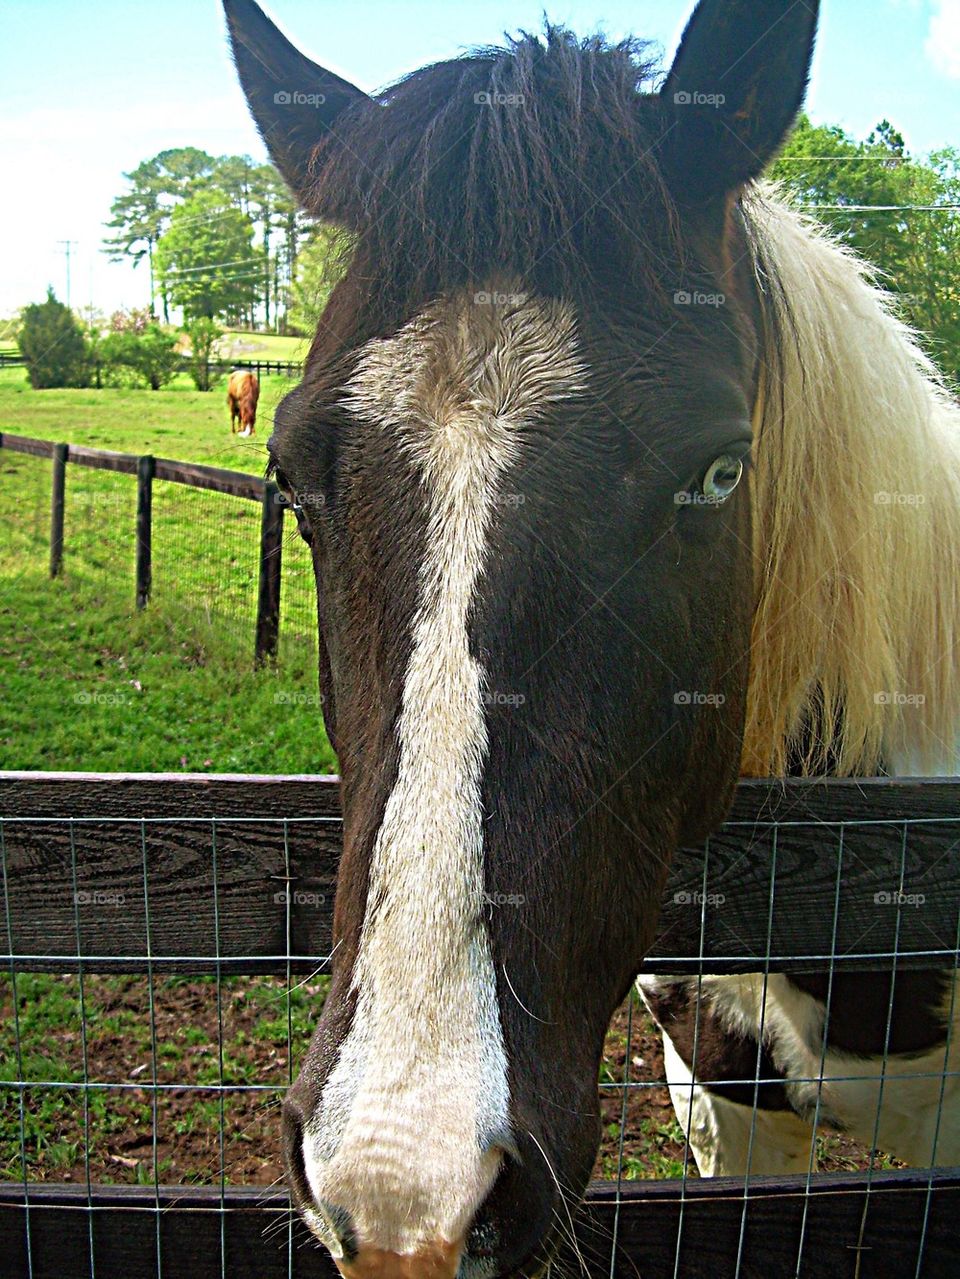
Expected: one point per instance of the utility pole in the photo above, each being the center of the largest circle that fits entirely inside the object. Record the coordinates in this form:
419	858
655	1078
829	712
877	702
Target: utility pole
67	244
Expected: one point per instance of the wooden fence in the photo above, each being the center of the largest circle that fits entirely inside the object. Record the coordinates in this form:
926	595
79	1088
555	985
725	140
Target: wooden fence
147	469
285	368
808	873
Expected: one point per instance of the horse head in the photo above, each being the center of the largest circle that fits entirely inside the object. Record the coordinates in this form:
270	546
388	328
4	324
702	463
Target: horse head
520	453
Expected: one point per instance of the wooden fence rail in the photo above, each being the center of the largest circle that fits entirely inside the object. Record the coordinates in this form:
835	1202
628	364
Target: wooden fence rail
239	874
148	470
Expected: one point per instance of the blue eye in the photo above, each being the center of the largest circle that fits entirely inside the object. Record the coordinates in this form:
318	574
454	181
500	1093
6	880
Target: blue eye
722	477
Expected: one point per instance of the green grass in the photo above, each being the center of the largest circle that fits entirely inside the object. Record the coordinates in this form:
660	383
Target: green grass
178	422
187	1041
265	346
92	684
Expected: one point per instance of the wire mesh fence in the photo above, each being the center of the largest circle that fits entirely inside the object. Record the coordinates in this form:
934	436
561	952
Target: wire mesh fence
99	523
164	949
25	505
205	560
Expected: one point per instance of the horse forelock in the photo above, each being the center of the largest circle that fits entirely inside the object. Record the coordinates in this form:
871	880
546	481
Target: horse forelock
492	163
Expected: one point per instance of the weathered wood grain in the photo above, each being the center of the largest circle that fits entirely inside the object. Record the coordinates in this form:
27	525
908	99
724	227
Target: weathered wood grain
25	444
241	872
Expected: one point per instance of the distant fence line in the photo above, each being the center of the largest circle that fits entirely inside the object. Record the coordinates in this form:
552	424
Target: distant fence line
285	368
147	469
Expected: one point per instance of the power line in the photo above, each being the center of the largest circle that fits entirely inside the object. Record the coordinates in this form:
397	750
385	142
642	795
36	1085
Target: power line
885	208
208	266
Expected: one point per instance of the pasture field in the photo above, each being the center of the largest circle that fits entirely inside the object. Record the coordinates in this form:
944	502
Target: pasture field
91	684
178	422
263	346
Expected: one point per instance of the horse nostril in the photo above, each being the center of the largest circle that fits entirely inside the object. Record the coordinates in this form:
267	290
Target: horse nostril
293	1149
341	1227
482	1239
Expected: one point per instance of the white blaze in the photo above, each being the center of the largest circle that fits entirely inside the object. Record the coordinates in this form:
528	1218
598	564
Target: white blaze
421	1079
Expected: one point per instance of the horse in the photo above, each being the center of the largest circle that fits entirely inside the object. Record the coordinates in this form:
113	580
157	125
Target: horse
243	392
593	430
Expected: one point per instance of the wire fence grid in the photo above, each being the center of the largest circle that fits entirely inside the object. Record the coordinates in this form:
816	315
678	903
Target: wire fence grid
164	944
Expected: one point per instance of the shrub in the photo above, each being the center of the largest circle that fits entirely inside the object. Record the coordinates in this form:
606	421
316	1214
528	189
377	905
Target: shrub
52	343
202	334
134	321
150	355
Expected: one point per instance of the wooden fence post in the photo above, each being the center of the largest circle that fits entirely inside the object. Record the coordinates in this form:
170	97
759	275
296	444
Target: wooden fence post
145	470
268	595
57	499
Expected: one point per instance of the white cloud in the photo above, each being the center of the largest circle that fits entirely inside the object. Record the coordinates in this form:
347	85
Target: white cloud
943	38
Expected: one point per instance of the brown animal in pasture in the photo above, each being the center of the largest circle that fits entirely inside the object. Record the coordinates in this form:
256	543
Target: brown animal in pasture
243	391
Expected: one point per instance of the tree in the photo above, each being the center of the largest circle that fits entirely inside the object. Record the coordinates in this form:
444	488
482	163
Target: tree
932	261
897	211
202	333
51	341
319	266
141	214
206	258
138	219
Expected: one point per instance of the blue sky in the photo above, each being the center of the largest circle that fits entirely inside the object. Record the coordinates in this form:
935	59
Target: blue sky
87	90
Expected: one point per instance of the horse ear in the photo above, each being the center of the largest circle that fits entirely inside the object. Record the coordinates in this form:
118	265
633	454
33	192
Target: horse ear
734	89
293	101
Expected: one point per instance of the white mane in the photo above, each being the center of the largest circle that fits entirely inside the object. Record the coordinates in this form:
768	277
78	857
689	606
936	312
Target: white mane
856	521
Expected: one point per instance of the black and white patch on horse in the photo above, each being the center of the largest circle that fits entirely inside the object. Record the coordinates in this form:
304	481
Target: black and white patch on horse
741	1030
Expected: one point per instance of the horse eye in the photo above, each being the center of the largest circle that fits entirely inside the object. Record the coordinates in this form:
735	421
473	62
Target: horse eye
285	487
722	477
